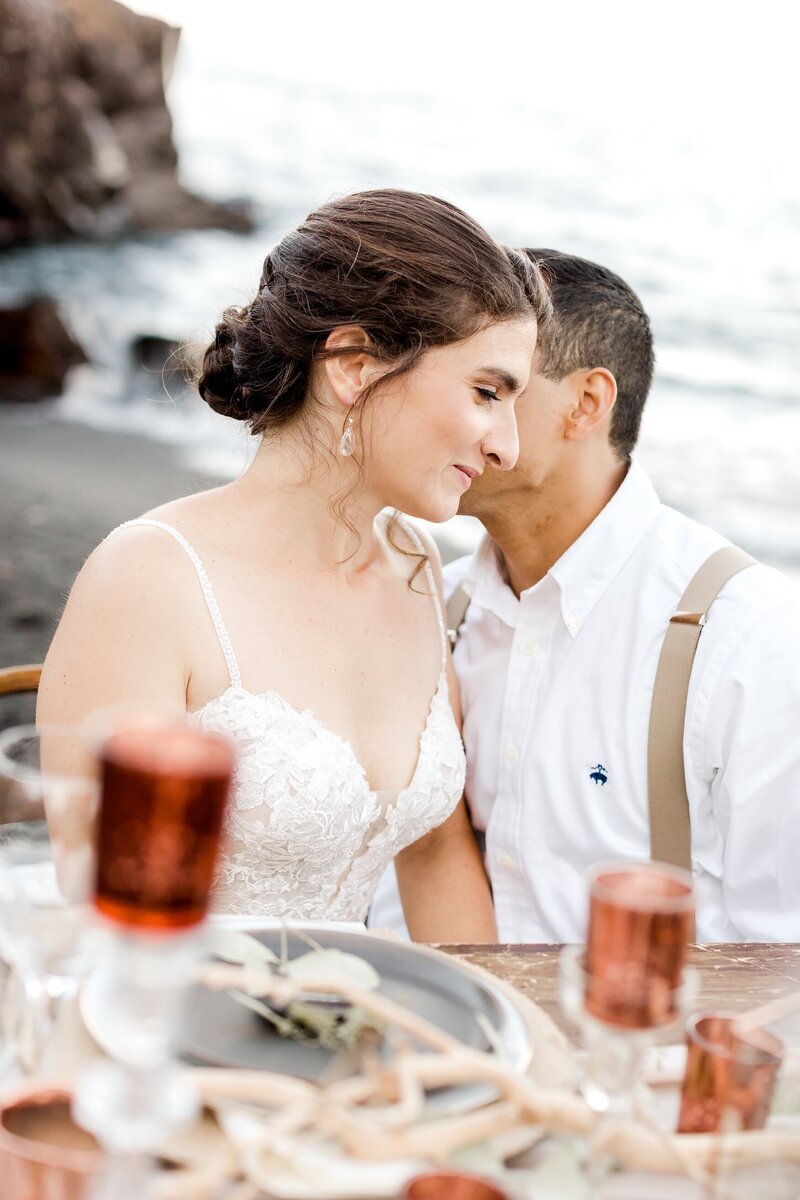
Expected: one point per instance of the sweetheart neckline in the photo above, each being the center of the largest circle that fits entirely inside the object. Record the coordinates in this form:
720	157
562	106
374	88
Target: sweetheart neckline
271	694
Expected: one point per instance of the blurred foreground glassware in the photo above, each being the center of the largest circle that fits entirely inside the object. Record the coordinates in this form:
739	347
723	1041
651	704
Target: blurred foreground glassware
641	920
164	790
451	1185
164	787
728	1085
730	1075
628	988
43	1153
48	802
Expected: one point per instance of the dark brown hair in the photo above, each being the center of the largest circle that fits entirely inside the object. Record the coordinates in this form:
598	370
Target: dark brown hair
412	270
598	321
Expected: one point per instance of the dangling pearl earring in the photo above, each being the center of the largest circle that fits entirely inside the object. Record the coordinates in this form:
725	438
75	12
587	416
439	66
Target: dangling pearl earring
347	443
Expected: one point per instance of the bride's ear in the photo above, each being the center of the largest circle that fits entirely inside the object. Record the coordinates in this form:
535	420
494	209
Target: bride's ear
351	365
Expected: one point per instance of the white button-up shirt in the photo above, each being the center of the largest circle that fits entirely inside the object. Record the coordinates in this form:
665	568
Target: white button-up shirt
556	688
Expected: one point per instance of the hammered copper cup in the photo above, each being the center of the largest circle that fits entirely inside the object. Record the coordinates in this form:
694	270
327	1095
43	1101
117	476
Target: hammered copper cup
641	918
451	1185
43	1153
730	1075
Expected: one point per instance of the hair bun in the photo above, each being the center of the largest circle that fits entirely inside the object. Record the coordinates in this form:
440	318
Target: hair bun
218	383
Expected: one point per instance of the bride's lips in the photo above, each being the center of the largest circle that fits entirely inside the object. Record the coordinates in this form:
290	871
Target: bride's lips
467	473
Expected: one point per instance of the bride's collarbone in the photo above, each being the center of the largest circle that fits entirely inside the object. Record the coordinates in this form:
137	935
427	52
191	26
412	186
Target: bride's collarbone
312	619
349	657
344	673
357	680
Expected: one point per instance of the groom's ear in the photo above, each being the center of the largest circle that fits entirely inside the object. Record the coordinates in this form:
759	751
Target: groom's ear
351	365
595	396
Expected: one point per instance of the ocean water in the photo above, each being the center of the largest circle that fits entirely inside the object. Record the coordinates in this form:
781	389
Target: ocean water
665	157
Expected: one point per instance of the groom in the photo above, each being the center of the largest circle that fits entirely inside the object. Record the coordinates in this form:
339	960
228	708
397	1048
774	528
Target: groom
571	593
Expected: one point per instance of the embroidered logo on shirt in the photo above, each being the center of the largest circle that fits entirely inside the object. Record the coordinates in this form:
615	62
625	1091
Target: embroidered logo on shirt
599	775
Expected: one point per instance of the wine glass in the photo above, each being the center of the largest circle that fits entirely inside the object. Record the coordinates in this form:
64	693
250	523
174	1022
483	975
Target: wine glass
47	808
627	989
164	786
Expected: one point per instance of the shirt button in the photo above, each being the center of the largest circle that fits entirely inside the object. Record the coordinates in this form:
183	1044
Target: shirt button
573	623
531	648
506	862
512	754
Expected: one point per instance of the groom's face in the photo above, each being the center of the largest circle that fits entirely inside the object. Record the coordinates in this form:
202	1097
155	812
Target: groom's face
542	412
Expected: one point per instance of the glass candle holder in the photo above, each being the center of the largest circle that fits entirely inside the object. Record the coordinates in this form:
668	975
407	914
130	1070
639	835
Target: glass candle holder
641	919
48	782
163	792
613	1053
628	988
730	1075
163	796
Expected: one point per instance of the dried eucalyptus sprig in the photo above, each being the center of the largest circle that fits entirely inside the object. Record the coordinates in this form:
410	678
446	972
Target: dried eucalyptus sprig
321	1018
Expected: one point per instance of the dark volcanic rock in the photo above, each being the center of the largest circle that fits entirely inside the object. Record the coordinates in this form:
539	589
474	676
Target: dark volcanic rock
36	351
164	361
153	352
86	143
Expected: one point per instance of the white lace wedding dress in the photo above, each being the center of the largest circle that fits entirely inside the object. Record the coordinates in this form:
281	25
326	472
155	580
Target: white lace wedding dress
305	836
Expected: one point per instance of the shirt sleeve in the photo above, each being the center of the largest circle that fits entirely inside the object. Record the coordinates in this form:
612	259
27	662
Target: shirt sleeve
751	753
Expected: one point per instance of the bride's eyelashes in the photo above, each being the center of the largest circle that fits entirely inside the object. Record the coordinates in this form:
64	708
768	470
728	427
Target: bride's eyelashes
487	393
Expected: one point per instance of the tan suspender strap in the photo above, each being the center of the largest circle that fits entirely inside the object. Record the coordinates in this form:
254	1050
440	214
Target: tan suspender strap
670	832
457	606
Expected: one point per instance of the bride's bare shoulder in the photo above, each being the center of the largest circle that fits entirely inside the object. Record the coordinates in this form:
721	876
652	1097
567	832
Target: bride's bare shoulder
126	627
188	511
142	548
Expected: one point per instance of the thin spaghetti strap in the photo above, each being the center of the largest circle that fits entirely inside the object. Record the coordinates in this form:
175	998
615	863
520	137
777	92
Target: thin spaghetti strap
437	603
208	592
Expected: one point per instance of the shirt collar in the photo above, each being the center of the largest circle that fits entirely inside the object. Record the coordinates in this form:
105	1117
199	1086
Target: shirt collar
585	570
587	567
486	584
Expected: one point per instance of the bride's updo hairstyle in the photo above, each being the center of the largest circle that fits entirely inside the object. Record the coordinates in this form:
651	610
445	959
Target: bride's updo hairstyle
413	271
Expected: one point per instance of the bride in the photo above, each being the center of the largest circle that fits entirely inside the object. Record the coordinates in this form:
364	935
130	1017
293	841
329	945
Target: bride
378	363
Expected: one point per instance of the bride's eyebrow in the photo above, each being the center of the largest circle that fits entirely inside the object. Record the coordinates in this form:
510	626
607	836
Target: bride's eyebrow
501	376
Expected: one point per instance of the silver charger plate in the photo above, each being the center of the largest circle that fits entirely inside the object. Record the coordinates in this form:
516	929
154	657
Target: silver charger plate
216	1030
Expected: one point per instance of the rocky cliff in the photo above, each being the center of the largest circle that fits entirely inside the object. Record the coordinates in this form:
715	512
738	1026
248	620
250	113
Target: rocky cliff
86	145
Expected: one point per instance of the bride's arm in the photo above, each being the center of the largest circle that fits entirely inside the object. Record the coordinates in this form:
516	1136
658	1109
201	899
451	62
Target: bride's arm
121	639
443	885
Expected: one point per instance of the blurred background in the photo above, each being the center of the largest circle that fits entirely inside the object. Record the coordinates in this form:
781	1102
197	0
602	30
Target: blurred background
659	140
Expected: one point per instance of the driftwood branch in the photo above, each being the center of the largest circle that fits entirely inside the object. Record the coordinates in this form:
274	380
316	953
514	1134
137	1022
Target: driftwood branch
377	1115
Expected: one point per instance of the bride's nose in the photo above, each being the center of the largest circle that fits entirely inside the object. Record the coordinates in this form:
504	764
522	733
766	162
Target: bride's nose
500	446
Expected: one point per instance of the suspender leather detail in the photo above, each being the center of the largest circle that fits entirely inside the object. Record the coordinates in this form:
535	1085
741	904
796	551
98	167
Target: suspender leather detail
670	830
687	618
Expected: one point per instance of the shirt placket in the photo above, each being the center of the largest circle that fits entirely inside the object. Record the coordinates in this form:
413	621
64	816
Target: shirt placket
512	809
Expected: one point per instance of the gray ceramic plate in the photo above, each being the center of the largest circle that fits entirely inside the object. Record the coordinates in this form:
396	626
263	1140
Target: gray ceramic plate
218	1031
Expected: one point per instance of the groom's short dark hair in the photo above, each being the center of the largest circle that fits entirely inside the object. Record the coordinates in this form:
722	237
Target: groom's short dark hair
598	321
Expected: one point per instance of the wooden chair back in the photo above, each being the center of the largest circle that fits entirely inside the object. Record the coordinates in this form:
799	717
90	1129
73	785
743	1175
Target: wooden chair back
20	679
13	681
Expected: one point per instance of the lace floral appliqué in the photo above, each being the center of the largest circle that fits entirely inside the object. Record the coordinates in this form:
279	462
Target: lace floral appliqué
305	836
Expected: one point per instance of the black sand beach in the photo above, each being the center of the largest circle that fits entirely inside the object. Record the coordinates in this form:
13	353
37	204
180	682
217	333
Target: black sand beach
63	486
